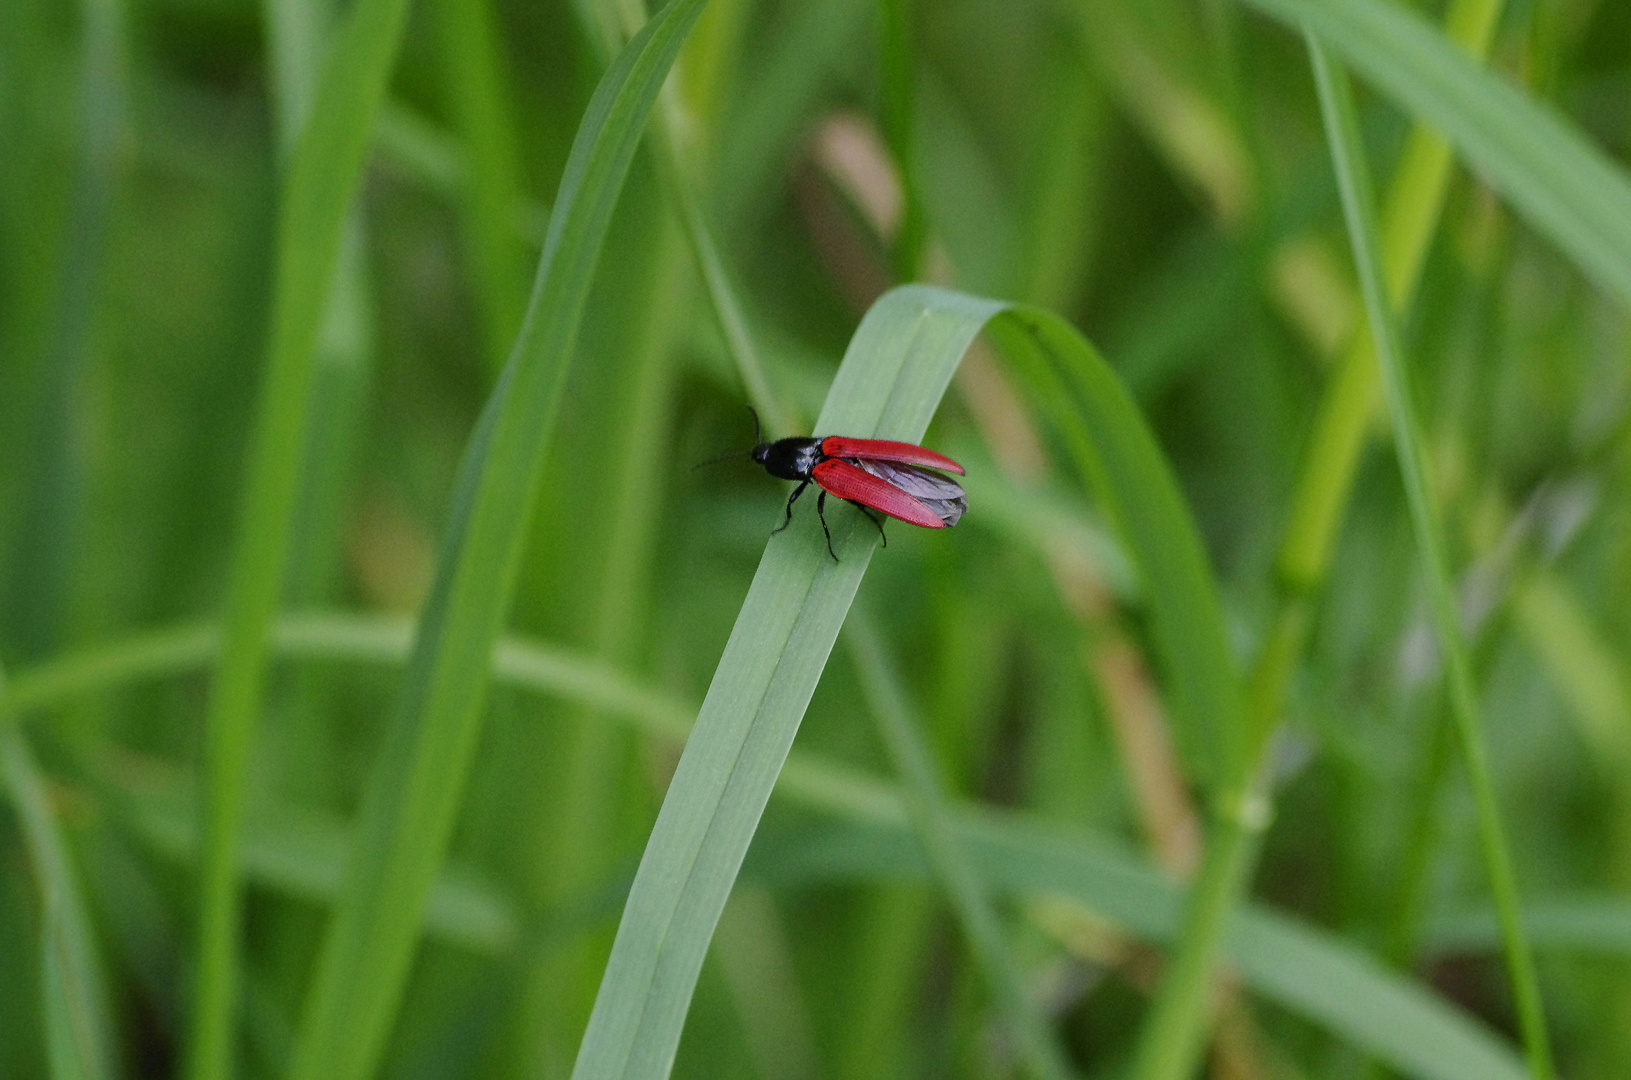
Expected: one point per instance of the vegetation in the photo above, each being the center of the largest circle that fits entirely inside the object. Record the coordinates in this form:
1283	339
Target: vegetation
384	694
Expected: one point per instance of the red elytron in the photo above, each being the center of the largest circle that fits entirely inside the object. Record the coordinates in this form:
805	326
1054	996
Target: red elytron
894	478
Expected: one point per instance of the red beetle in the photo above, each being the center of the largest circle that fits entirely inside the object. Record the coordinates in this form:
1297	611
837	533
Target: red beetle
894	478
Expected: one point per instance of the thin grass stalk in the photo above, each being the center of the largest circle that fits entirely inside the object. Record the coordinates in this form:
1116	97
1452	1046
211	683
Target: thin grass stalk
926	807
1353	180
722	295
324	170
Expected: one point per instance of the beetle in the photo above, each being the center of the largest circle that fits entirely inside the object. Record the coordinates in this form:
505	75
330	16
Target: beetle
893	478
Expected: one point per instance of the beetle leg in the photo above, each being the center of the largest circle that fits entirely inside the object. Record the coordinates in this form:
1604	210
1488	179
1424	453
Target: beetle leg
791	499
874	519
821	512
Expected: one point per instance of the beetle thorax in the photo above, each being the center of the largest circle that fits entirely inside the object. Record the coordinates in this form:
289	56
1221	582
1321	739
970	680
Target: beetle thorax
789	459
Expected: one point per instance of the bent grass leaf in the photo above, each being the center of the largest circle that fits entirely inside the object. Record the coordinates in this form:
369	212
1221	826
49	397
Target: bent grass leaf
893	374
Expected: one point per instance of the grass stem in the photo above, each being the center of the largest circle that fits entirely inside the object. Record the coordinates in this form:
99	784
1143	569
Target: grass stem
1353	179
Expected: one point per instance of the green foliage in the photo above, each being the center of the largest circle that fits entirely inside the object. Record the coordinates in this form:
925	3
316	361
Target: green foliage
1214	738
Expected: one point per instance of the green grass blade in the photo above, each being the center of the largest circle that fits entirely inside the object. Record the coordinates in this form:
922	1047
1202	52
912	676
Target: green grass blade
412	798
1115	455
334	637
324	169
1568	189
1353	179
926	806
1587	924
728	308
80	1040
141	657
894	373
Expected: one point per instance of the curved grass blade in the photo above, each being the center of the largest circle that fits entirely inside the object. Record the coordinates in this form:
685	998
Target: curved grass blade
1358	203
892	377
78	1031
411	800
1568	189
1117	457
324	169
1016	855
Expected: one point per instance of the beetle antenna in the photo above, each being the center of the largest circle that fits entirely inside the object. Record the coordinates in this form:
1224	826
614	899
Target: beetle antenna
757	438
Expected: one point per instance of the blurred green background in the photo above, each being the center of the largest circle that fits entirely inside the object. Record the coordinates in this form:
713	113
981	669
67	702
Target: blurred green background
1155	171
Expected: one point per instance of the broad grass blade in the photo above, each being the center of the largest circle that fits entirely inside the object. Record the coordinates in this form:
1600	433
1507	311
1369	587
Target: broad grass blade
411	801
